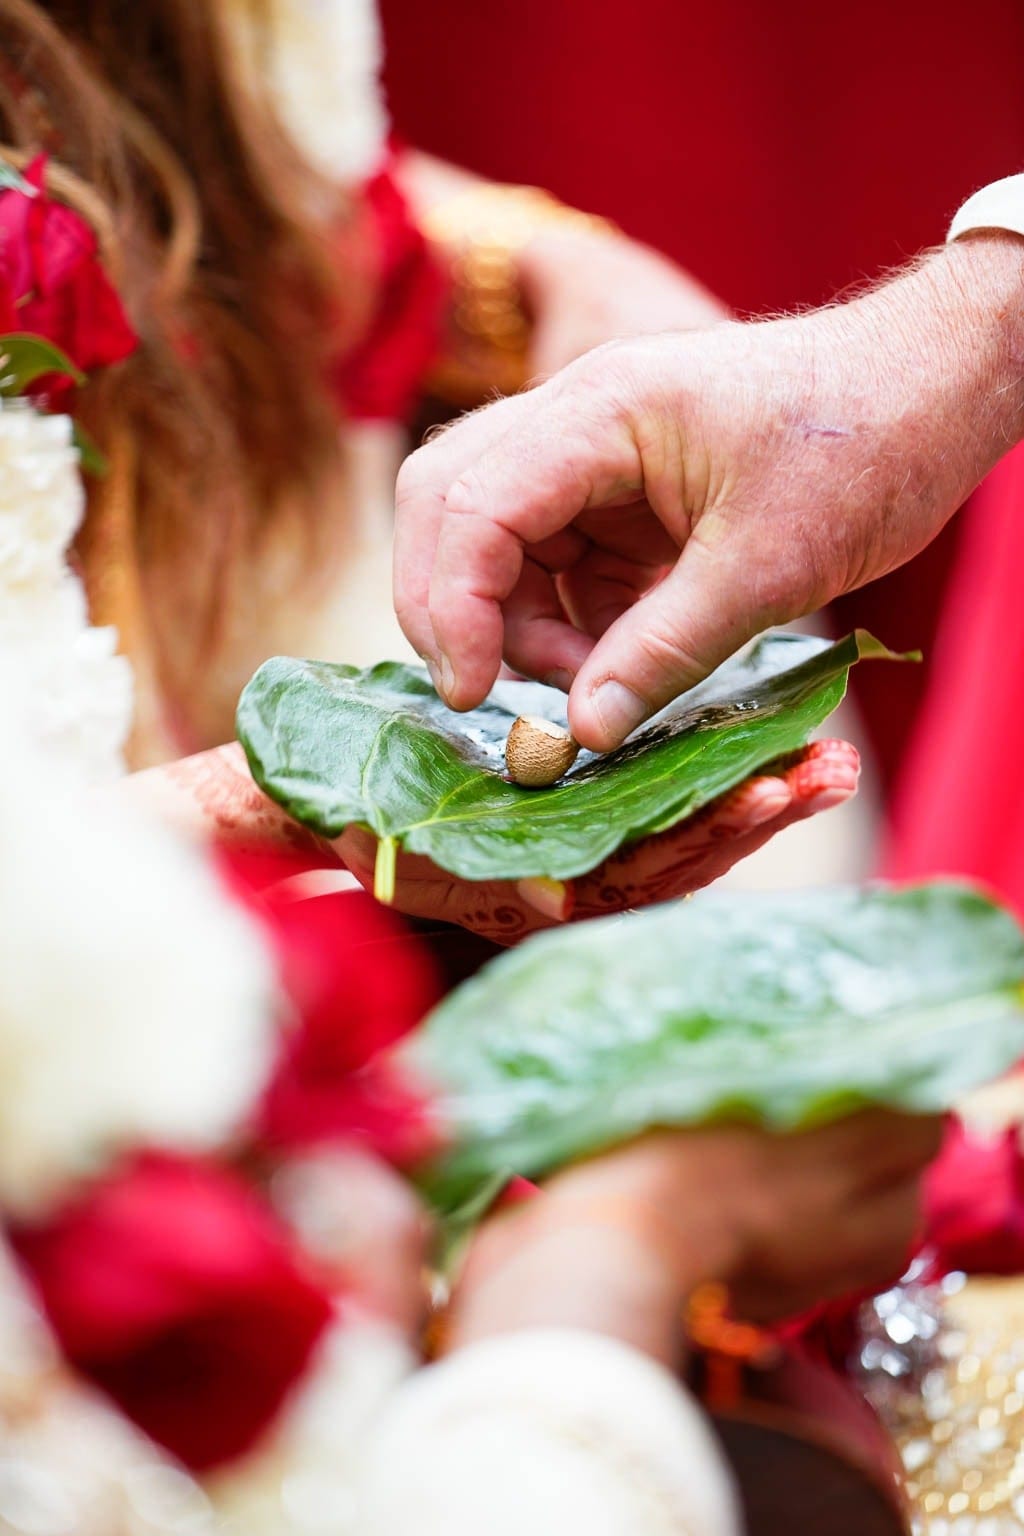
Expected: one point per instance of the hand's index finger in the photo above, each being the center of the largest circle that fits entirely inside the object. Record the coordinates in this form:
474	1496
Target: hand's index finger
423	483
528	486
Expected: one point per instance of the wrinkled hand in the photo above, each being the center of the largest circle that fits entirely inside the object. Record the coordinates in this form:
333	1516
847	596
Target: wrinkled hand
671	864
584	289
765	468
617	1244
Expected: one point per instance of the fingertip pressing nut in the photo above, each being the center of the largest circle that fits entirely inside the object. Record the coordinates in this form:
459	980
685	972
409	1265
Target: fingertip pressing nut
538	752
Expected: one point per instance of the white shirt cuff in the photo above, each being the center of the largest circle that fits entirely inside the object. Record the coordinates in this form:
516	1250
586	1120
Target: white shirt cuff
1000	205
544	1432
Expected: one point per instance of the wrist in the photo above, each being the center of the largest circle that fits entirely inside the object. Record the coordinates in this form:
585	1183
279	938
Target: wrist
616	1246
498	242
924	374
656	1193
585	1274
957	320
979	280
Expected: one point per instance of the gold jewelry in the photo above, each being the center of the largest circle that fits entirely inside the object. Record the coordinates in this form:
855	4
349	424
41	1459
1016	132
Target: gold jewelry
960	1428
483	233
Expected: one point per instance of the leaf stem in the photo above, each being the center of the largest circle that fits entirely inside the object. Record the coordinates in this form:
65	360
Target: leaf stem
384	870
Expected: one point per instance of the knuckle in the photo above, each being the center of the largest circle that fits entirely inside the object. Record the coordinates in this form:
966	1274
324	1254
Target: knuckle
413	476
595	381
466	496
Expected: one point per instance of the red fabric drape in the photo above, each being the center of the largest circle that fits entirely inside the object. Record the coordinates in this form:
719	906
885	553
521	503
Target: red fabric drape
780	151
959	807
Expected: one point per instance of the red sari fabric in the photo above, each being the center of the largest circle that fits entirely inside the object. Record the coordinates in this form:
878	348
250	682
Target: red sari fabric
382	378
959	808
781	152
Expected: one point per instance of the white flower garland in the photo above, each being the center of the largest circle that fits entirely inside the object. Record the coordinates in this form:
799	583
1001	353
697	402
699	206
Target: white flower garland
74	691
303	1476
136	1003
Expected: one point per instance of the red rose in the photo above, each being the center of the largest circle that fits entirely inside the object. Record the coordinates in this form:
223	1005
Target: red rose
974	1204
53	284
8	314
175	1289
382	377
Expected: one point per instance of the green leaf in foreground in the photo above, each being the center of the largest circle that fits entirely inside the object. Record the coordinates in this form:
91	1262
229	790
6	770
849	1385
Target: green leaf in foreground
335	745
783	1009
24	359
11	180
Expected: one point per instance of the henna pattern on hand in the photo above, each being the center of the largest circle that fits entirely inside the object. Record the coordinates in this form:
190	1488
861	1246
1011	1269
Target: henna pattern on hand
723	833
235	808
654	869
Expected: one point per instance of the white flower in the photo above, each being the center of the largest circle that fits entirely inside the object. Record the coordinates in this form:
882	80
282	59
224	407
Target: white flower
41	497
56	610
136	1001
76	692
303	1477
78	697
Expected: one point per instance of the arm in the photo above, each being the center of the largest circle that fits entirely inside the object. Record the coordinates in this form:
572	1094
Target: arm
212	797
567	1328
535	284
618	1244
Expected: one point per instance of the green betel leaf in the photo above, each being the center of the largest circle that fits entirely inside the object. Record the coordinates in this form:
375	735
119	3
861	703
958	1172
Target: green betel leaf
24	359
11	180
334	745
787	1010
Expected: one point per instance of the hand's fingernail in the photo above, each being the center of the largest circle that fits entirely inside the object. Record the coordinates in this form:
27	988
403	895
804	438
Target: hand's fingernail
447	682
618	709
551	898
357	846
559	679
434	670
828	799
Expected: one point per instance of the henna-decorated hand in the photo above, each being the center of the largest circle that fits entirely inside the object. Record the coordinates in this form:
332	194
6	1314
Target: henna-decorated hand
214	795
671	864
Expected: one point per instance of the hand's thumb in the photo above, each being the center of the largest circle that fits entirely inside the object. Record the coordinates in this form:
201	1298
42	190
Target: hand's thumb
667	642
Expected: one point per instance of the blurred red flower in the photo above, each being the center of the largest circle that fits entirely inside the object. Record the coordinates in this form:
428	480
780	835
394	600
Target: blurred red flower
8	314
175	1289
53	285
358	982
974	1204
170	1283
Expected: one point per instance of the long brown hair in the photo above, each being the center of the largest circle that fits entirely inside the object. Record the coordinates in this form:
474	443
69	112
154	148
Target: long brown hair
227	250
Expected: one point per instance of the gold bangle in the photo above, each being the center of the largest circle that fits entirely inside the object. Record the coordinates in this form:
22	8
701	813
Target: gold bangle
482	233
